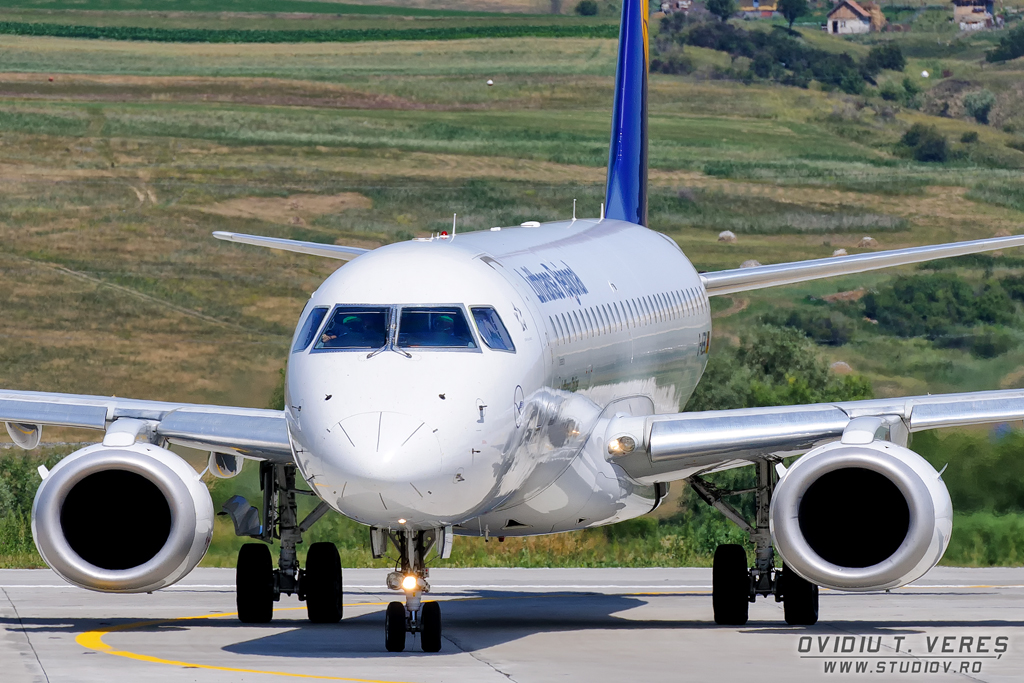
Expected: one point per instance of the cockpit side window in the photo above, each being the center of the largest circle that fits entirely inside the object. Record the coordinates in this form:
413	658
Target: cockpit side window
435	327
308	332
355	328
492	330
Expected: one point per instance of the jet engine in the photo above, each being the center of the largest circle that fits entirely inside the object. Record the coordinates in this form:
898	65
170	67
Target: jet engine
861	517
129	519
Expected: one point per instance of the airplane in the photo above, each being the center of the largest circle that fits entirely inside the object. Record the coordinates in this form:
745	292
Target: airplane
510	382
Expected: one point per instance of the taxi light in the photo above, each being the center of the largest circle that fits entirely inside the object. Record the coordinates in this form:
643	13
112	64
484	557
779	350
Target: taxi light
622	445
409	583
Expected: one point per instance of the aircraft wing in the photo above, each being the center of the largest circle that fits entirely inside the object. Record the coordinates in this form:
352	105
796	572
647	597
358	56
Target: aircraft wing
335	251
758	277
671	447
249	432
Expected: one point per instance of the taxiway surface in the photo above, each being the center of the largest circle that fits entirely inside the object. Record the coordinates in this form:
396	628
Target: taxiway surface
523	625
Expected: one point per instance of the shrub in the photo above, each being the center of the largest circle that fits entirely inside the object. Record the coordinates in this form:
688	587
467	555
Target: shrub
672	62
638	527
926	143
586	8
969	137
1010	46
890	91
827	328
979	104
773	366
933	305
885	56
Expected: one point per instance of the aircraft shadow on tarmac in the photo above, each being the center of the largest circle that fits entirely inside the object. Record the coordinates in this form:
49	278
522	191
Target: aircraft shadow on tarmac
490	618
479	620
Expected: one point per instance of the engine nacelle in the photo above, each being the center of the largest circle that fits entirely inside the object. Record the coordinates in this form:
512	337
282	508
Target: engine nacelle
861	517
129	519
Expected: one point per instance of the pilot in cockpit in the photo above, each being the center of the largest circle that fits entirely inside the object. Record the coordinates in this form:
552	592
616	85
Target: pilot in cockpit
348	332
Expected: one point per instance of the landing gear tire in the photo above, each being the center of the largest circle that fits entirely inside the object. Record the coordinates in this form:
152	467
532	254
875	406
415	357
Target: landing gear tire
799	599
430	624
730	585
254	584
322	584
394	627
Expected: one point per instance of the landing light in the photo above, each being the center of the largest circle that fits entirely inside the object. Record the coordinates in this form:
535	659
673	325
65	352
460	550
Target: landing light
409	583
401	521
622	445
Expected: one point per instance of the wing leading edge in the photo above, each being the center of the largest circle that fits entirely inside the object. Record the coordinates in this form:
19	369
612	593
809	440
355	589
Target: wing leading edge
250	432
678	446
335	251
758	277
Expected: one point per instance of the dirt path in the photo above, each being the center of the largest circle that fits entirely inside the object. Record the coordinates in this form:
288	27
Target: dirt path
738	305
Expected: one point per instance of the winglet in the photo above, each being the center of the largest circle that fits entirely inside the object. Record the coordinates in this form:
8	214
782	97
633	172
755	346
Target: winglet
626	191
335	251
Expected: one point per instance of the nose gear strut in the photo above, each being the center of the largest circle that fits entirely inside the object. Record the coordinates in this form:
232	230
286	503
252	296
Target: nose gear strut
410	576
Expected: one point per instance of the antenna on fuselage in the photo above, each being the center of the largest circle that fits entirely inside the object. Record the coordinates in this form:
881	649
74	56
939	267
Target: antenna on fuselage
454	216
602	210
574	209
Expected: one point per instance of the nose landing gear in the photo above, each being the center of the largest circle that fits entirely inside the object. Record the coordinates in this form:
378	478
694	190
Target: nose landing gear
415	616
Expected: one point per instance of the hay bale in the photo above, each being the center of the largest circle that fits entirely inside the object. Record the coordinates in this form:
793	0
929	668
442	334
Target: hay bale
867	242
727	236
841	367
750	263
839	252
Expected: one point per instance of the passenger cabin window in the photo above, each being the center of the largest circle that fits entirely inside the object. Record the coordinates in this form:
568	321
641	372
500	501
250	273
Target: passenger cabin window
309	327
355	327
492	330
435	328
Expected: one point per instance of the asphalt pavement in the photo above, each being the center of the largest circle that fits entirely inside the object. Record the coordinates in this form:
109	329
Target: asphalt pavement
520	625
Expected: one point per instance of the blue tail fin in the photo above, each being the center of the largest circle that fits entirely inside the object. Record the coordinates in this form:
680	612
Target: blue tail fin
626	192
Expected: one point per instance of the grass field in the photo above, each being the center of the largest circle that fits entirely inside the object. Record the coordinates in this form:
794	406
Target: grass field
114	173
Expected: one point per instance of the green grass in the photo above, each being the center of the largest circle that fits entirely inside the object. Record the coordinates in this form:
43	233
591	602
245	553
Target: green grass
332	35
983	539
247	6
113	285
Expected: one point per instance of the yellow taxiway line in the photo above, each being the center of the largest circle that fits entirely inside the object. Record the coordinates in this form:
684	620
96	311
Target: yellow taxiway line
93	640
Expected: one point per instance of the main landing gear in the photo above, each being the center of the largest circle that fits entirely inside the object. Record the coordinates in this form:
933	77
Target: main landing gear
734	585
257	584
410	576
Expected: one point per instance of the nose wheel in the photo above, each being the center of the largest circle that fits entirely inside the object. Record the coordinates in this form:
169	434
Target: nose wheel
415	616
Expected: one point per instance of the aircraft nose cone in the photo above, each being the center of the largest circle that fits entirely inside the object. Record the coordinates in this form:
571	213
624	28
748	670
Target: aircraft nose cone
386	448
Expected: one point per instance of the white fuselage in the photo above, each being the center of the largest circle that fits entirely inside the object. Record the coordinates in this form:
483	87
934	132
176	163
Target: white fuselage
606	317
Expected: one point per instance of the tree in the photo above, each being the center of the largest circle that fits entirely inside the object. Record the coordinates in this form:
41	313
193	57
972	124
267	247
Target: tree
1010	46
979	104
773	366
792	10
586	8
723	9
885	56
926	143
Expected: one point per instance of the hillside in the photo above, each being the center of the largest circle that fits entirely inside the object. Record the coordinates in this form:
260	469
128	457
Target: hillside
120	158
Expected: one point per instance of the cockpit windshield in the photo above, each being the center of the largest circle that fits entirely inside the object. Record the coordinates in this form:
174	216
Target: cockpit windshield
356	327
434	327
